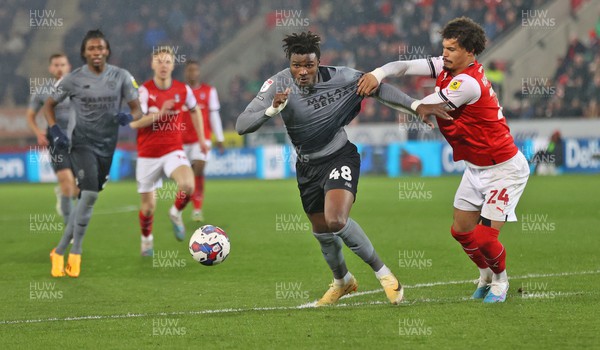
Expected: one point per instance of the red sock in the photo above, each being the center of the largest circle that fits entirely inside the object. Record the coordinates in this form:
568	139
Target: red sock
146	224
198	196
491	248
470	246
181	200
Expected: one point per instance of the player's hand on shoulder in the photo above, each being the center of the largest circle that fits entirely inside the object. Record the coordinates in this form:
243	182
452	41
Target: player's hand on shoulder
124	118
367	84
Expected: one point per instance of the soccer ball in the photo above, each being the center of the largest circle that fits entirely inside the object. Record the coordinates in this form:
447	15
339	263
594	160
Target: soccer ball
209	245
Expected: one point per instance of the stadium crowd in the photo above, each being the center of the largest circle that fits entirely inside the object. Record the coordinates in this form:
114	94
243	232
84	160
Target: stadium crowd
357	33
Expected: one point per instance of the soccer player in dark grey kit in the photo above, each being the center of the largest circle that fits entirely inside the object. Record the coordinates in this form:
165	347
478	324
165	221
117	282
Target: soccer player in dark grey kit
65	118
96	91
316	102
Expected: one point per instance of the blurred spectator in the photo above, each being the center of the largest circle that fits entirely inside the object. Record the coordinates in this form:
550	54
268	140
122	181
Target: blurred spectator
496	76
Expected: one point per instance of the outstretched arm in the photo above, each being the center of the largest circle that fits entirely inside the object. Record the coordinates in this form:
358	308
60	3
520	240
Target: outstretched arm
427	66
394	98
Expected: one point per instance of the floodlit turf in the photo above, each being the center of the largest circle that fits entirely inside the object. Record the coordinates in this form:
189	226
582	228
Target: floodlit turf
122	300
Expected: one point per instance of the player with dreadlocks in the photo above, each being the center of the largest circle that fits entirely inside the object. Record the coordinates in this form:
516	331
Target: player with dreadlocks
316	102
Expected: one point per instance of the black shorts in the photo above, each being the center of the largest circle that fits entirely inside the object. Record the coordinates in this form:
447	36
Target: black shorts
90	170
58	157
337	171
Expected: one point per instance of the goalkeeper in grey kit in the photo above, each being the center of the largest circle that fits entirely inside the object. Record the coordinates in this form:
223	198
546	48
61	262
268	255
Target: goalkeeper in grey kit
96	91
315	103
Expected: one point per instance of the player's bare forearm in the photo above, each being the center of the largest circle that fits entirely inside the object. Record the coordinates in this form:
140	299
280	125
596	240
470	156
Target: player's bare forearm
48	110
32	123
199	126
144	121
136	110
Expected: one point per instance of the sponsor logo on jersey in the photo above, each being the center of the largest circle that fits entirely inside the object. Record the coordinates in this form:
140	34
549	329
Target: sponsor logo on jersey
455	84
266	85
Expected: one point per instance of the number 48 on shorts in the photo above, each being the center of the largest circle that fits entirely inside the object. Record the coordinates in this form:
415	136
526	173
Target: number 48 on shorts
346	173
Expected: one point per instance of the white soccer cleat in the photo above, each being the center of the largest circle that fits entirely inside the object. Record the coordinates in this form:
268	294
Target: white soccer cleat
177	221
197	215
482	290
497	293
147	246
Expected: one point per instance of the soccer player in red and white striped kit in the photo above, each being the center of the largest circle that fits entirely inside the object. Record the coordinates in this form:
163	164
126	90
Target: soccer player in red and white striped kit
496	172
208	101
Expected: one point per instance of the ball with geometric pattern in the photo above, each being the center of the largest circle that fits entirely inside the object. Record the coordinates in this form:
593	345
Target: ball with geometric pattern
209	245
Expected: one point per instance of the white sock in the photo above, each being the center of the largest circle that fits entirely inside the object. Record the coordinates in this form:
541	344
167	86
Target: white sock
501	277
486	274
174	211
383	271
150	238
343	281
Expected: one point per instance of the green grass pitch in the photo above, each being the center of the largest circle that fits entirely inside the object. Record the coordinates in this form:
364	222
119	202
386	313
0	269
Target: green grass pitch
255	298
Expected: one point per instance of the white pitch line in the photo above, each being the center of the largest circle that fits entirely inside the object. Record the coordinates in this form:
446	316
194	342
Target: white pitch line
303	306
433	284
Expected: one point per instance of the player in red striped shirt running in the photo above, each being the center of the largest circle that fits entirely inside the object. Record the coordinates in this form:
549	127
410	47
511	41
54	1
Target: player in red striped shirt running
160	145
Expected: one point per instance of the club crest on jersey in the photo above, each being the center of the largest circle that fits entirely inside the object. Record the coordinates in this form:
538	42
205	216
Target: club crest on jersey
176	98
265	85
112	85
455	84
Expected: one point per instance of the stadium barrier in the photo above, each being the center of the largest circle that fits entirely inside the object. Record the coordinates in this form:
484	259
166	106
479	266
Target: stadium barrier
418	158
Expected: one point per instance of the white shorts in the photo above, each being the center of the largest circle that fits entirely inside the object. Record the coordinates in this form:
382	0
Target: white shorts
149	171
192	151
494	191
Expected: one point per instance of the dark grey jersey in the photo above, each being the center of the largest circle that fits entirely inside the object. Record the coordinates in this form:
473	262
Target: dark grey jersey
96	99
63	111
314	117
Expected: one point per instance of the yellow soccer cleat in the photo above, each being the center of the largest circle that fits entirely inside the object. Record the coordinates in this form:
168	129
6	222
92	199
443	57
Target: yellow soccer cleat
393	289
334	293
73	265
58	264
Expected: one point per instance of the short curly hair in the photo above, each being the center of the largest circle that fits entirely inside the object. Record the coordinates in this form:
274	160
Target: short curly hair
302	44
467	33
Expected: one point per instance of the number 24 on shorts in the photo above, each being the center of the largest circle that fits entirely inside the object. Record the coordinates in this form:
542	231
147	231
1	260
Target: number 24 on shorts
346	173
503	196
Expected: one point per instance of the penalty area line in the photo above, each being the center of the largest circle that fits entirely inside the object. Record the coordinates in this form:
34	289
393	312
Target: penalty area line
303	306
